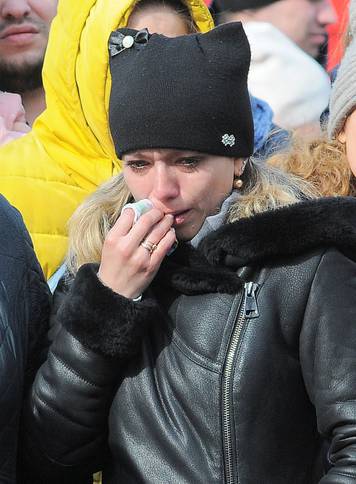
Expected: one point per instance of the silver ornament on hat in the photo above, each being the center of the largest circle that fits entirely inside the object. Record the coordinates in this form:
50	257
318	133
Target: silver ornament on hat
228	140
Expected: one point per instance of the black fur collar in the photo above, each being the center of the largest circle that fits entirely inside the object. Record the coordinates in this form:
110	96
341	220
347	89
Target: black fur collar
288	231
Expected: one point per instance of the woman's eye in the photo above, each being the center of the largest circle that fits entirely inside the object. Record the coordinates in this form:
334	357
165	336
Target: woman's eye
189	162
137	165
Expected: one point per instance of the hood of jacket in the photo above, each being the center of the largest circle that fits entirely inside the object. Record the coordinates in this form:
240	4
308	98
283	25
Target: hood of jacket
69	151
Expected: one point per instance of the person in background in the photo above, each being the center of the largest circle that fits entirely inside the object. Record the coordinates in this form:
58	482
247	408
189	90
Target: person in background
304	22
329	162
183	363
24	316
12	118
285	36
24	29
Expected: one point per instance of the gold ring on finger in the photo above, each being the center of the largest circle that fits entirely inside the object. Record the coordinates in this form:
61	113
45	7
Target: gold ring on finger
150	246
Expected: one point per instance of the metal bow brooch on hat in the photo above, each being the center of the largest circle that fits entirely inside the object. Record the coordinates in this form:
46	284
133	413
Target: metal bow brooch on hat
119	42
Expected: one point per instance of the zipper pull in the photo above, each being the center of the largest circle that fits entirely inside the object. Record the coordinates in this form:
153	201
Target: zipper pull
251	308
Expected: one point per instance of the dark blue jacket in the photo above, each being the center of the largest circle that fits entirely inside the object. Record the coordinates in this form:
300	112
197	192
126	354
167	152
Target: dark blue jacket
24	309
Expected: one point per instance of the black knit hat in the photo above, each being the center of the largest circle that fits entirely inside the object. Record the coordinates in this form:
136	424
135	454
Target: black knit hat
238	5
187	93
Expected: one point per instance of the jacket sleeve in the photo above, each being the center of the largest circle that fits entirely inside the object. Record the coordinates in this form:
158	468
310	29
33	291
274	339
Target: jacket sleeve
24	313
66	414
32	298
38	298
328	359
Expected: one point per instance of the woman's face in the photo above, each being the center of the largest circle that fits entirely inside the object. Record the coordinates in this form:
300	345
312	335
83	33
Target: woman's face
158	20
187	184
348	137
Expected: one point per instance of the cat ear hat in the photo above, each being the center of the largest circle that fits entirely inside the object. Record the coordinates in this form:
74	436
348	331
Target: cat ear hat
187	93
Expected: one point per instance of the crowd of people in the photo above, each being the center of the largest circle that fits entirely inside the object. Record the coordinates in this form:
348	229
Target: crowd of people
177	250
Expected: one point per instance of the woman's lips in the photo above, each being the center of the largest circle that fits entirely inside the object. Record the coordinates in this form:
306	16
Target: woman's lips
180	217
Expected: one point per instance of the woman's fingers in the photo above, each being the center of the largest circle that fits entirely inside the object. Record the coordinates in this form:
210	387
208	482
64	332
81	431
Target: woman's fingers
163	247
128	236
145	225
123	224
159	230
132	253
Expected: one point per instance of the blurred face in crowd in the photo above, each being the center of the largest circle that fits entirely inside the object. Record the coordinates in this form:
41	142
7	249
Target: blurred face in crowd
160	19
187	184
347	137
304	21
24	28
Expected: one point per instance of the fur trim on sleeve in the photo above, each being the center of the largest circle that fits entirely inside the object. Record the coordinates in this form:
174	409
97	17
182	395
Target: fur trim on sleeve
101	319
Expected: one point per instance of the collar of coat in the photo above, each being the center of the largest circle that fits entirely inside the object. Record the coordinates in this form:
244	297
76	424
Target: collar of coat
259	240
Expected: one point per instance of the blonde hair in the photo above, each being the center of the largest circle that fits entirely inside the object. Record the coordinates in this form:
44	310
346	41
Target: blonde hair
265	188
321	162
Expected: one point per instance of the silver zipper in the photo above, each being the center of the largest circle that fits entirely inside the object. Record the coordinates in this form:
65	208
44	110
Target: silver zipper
248	309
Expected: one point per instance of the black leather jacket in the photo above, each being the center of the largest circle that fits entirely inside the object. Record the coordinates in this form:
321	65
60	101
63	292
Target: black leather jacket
238	366
24	312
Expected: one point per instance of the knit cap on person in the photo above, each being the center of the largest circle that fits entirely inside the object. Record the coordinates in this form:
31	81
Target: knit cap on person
185	93
239	5
343	93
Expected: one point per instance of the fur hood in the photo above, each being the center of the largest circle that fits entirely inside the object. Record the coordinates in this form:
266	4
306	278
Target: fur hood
262	239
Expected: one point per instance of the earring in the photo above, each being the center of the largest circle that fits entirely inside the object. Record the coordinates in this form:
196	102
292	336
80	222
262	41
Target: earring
238	183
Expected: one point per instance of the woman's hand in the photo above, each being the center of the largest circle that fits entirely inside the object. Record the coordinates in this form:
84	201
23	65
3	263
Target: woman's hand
127	267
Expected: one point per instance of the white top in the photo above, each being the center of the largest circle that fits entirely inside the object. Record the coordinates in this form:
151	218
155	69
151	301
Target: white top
293	83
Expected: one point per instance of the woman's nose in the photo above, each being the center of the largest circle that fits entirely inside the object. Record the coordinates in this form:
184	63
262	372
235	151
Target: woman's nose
165	184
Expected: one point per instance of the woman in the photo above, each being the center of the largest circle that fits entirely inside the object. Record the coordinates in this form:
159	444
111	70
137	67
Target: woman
231	358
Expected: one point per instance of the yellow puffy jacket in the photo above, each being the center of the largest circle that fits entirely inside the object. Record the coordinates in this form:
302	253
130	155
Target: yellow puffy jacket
47	173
